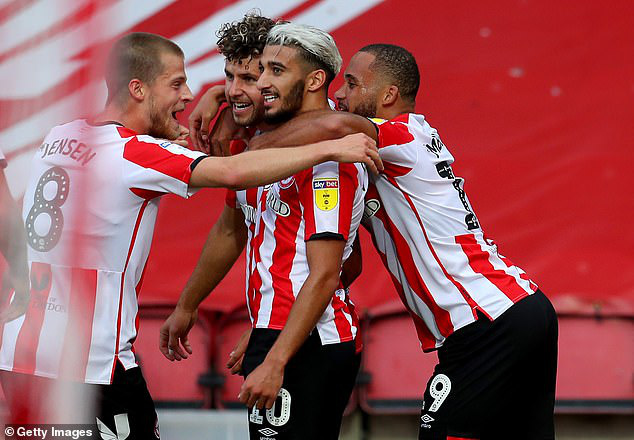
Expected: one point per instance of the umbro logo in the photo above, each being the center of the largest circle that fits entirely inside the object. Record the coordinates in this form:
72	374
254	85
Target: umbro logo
427	418
267	432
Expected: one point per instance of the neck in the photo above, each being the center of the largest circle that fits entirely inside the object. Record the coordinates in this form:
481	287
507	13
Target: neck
395	110
315	101
125	114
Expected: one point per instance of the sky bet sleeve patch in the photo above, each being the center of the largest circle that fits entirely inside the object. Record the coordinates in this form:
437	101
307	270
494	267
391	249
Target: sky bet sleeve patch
326	193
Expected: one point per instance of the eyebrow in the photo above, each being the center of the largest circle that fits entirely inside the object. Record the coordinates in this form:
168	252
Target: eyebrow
181	78
351	76
276	64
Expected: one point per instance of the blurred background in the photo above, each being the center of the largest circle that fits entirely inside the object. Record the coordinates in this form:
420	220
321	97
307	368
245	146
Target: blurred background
534	98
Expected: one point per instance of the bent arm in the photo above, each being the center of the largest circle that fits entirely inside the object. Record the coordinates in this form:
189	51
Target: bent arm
314	126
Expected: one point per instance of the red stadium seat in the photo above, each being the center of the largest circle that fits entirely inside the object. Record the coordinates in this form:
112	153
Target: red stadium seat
230	328
596	364
395	369
175	384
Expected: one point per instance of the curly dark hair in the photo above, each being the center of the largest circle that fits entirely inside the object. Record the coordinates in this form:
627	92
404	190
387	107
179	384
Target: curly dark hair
244	38
398	65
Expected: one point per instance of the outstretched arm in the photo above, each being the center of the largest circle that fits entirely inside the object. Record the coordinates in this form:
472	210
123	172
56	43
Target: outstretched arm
225	243
255	168
314	126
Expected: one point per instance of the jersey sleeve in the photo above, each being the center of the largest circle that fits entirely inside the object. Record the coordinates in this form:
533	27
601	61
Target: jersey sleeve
154	167
397	145
327	193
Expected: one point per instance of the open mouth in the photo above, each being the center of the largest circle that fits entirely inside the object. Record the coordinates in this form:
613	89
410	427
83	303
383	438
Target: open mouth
342	107
175	114
269	98
241	107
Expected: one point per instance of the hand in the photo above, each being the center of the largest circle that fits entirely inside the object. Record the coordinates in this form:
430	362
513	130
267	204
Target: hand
224	131
357	147
261	387
173	341
234	364
203	113
182	136
17	308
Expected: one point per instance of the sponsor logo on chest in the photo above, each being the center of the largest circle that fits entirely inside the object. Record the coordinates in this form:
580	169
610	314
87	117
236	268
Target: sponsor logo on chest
277	205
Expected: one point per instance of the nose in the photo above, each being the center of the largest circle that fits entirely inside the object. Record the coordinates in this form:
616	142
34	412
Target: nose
187	94
263	82
340	93
234	89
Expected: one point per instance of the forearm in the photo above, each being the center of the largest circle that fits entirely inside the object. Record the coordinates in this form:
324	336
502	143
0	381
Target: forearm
256	168
221	250
310	127
309	306
13	242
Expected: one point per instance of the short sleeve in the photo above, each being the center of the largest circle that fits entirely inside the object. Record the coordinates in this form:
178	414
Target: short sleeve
397	146
154	166
327	193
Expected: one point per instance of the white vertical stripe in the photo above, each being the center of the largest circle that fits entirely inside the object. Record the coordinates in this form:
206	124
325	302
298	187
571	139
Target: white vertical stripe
53	331
9	340
104	327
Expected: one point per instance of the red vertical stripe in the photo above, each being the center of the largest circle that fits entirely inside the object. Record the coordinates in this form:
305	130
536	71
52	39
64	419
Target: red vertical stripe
412	275
284	234
81	309
304	181
125	268
479	262
343	327
455	282
29	336
255	281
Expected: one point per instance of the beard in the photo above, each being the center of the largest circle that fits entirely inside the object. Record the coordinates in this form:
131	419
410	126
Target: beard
160	124
366	108
290	105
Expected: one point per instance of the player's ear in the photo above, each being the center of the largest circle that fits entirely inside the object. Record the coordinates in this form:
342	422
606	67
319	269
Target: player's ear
136	89
390	95
315	80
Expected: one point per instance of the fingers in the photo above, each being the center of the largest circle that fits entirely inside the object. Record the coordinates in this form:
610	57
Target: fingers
374	161
194	130
174	348
236	368
163	340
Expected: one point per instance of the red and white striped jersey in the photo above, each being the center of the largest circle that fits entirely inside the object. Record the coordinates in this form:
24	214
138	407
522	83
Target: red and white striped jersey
324	201
89	212
429	237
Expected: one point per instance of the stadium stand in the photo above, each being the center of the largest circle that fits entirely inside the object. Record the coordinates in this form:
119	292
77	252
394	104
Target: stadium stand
596	357
176	384
394	369
230	327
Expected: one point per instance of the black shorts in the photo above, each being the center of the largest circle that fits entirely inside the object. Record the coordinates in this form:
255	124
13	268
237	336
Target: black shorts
124	406
496	379
318	382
